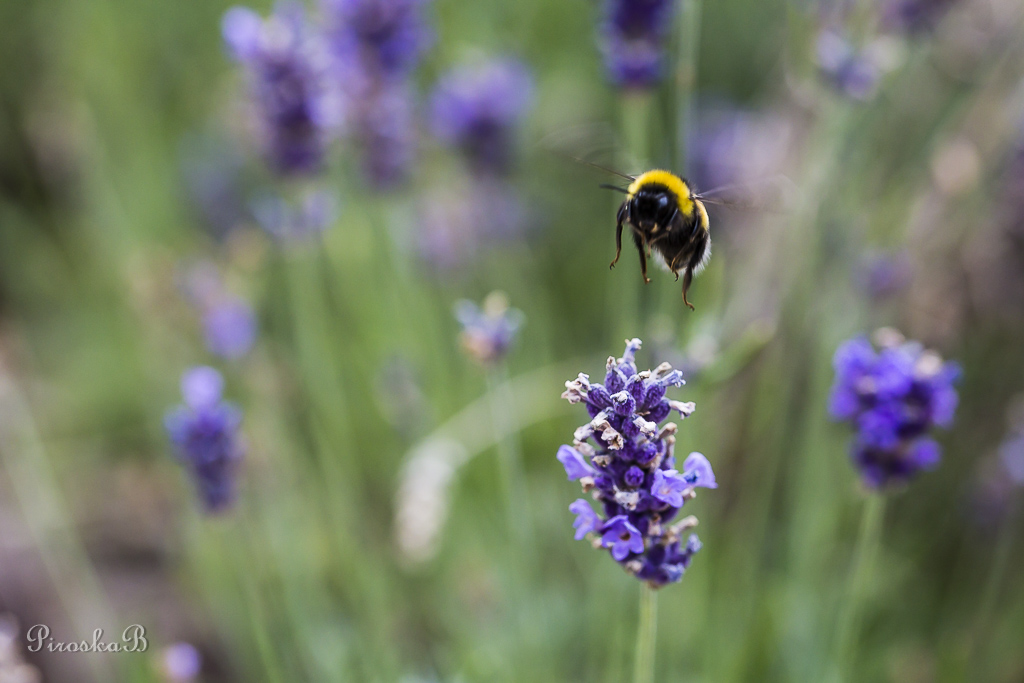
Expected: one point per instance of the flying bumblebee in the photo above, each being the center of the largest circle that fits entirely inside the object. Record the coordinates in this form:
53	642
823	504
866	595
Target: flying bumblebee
669	219
665	216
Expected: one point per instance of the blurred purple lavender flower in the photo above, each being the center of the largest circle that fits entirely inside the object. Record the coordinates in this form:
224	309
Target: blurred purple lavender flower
914	16
630	469
205	434
894	397
288	221
634	33
853	72
386	127
296	104
478	108
229	326
732	146
488	331
181	663
229	322
1011	455
376	44
381	39
883	274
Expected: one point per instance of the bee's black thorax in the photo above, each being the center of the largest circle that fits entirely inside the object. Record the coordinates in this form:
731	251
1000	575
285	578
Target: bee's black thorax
660	224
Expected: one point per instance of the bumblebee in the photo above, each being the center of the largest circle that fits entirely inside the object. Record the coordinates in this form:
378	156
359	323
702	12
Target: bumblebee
667	218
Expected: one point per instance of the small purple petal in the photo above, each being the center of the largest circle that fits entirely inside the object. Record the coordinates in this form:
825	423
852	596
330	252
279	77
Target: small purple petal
925	454
230	328
242	28
697	471
576	466
668	487
587	520
202	387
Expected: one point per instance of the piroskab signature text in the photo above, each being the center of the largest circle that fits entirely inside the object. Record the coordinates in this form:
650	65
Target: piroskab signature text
133	639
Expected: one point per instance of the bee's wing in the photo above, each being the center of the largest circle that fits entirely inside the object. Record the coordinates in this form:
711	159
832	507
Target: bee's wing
590	144
768	194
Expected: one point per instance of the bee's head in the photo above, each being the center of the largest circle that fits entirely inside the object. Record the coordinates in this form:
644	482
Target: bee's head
652	206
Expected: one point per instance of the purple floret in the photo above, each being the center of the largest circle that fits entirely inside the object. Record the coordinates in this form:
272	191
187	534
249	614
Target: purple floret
488	331
229	325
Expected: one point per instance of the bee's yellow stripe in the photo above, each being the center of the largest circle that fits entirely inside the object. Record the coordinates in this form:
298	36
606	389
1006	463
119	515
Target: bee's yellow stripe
670	180
704	222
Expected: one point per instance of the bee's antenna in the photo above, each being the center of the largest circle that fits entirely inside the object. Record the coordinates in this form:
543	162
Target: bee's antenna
606	186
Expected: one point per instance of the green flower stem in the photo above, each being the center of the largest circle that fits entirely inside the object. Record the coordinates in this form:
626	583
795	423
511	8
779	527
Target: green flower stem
864	556
984	625
625	282
646	636
510	461
688	51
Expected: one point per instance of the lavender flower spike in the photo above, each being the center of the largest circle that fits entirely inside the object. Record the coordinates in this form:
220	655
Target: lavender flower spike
205	434
631	469
296	105
378	39
478	108
229	326
488	331
853	72
894	397
634	34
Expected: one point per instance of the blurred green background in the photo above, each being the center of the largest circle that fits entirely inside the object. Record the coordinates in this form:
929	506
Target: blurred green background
357	368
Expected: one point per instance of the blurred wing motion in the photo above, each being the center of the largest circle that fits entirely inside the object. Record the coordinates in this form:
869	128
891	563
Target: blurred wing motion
589	144
774	194
595	145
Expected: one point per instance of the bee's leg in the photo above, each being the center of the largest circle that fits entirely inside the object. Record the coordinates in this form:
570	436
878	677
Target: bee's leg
687	279
618	246
620	219
643	258
672	266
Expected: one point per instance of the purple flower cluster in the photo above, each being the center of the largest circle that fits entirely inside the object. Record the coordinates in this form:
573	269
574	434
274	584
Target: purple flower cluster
229	326
376	45
229	322
478	108
626	460
488	332
634	33
894	396
881	275
913	16
387	131
205	434
296	105
384	38
181	663
853	72
1011	455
